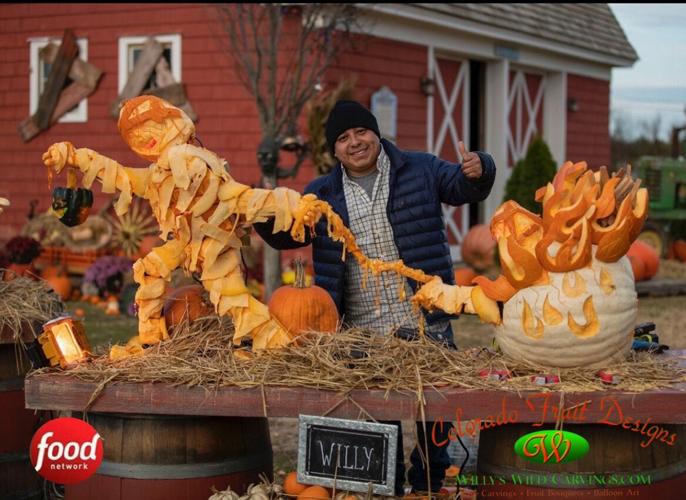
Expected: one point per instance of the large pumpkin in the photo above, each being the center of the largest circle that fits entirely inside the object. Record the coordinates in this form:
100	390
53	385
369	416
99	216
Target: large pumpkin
648	255
301	308
478	247
185	302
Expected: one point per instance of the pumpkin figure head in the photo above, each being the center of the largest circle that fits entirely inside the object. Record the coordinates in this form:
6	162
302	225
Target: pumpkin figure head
300	308
150	125
72	206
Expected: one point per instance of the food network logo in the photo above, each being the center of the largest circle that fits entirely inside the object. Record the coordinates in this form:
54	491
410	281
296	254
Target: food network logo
66	450
551	447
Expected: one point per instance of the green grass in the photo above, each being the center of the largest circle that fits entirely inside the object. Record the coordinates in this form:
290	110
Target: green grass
102	329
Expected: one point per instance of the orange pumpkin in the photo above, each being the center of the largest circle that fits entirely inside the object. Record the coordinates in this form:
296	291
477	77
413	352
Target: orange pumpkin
464	276
680	250
638	267
291	486
60	283
185	302
648	255
314	493
478	247
301	308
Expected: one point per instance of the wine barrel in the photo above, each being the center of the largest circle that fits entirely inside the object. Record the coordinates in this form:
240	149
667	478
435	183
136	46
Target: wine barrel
18	479
616	464
170	457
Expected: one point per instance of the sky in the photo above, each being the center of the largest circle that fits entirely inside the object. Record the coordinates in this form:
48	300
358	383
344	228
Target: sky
656	83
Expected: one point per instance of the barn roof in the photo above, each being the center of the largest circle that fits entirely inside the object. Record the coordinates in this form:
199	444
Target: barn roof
591	26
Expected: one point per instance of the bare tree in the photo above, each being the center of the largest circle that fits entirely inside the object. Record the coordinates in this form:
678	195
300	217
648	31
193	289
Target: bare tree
282	51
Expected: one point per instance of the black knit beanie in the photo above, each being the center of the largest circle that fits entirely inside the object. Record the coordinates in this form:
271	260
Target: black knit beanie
345	115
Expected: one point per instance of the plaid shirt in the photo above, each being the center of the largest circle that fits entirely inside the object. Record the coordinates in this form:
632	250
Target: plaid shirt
377	306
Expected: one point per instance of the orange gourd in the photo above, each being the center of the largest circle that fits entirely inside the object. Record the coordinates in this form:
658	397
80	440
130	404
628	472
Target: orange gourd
60	283
464	276
301	308
185	302
648	255
314	493
478	247
291	486
638	267
680	250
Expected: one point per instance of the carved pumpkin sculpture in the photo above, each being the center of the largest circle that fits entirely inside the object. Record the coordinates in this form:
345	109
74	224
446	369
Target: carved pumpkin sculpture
567	287
202	211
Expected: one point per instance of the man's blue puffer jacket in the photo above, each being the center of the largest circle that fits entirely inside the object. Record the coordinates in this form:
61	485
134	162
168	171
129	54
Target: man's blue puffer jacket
419	183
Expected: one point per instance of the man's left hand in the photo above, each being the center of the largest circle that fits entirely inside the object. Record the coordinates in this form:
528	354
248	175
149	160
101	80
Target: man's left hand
471	163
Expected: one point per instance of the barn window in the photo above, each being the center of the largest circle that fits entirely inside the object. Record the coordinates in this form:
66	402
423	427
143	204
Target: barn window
131	47
39	76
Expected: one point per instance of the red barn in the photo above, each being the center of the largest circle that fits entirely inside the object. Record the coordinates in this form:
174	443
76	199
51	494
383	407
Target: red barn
493	75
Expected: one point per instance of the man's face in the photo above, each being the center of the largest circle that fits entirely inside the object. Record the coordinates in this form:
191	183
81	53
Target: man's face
357	149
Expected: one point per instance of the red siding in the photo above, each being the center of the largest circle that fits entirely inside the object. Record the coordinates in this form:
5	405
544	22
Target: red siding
228	122
588	135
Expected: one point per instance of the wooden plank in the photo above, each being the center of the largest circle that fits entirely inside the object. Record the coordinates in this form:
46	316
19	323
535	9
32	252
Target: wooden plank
81	71
48	391
58	76
174	93
70	97
152	51
661	287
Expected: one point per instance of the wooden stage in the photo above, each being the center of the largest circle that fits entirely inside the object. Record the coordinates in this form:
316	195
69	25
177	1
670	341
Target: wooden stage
53	392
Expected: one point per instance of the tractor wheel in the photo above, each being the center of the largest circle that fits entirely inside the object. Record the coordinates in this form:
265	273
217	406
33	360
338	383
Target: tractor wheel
654	236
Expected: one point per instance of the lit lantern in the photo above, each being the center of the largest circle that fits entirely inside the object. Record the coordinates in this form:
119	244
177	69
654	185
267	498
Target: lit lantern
64	342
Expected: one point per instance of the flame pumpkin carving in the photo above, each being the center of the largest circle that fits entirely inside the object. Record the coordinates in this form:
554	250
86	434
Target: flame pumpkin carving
567	286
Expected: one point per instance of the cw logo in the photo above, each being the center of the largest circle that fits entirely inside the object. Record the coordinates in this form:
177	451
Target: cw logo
544	446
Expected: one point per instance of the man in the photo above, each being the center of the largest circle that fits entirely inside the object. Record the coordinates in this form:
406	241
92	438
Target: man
391	201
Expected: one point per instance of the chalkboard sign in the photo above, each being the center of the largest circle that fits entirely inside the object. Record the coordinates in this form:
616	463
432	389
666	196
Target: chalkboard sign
354	455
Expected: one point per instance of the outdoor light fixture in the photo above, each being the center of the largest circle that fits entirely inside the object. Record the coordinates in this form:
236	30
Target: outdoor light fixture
428	86
64	341
572	105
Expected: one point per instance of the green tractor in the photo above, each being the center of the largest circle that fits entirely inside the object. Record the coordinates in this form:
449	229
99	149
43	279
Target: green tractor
665	179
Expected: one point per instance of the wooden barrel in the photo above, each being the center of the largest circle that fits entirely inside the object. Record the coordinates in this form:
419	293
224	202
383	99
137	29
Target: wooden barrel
167	457
616	464
18	479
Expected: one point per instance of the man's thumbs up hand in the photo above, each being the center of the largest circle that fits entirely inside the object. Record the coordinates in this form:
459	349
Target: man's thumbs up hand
471	163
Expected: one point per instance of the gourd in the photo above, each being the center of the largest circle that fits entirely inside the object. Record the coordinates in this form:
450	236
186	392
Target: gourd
186	302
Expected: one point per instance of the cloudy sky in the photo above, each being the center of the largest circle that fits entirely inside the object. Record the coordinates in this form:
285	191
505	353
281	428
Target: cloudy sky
656	84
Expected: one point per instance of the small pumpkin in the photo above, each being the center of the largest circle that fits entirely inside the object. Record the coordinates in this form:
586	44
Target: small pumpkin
72	206
680	250
314	493
478	247
647	255
291	486
464	276
185	302
301	308
60	283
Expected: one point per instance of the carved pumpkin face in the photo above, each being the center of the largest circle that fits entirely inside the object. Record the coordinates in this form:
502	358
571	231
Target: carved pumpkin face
72	206
150	125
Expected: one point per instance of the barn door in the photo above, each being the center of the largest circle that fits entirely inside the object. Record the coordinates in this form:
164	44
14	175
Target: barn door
447	125
525	113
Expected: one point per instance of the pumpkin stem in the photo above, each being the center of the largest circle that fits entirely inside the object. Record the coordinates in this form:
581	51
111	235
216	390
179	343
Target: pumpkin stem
299	274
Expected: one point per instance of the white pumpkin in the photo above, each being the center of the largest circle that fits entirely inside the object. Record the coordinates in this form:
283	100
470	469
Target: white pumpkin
581	318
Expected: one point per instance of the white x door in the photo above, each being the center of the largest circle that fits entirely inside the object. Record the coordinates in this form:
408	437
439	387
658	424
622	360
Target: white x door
447	125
